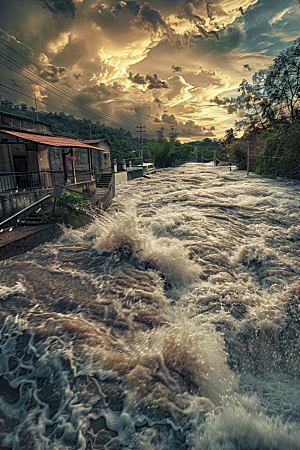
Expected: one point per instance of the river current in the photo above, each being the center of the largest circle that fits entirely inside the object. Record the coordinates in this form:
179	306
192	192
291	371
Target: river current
170	322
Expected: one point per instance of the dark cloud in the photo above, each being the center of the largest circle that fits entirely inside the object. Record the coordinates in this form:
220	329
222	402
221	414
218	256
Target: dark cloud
224	102
15	44
247	67
189	12
64	7
231	109
207	72
102	91
209	10
152	80
51	73
207	34
155	83
133	7
55	70
220	100
176	68
188	128
77	76
166	118
137	78
130	6
151	19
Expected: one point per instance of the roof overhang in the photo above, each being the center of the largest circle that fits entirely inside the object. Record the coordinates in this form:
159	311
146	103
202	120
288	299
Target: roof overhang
52	141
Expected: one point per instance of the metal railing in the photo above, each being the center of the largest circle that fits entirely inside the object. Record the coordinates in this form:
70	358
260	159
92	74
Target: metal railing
23	213
12	181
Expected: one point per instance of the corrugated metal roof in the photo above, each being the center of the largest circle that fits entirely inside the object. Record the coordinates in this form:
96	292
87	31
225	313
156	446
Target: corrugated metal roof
52	141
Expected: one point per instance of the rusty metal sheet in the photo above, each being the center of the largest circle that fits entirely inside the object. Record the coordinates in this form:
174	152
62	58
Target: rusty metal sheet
52	141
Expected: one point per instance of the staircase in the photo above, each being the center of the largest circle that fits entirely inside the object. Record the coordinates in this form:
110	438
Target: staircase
104	180
33	220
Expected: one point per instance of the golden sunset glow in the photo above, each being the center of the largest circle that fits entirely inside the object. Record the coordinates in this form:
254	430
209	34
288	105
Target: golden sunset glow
159	63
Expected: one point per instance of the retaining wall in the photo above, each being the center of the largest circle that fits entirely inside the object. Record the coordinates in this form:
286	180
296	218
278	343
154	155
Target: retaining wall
134	173
42	234
13	202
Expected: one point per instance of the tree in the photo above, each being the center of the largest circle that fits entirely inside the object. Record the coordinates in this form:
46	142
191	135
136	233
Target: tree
243	152
274	95
165	153
280	151
206	149
252	103
282	83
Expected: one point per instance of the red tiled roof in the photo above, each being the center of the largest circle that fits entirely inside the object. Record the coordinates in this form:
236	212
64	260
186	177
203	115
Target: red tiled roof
52	141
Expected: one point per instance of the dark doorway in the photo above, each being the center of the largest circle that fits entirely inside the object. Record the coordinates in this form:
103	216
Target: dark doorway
20	163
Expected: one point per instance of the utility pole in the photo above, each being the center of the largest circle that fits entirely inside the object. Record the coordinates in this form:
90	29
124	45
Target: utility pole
172	134
141	130
36	110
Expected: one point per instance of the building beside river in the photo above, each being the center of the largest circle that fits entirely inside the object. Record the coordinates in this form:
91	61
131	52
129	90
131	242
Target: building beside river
32	159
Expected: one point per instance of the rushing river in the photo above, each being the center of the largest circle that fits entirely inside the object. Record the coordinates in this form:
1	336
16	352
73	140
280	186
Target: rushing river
171	322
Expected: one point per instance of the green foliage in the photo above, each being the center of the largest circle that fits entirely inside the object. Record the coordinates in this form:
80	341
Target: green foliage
70	210
280	151
49	217
274	95
126	146
71	202
238	154
206	149
165	153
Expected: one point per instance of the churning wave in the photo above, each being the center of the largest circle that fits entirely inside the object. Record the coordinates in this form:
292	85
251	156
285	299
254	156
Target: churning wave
170	322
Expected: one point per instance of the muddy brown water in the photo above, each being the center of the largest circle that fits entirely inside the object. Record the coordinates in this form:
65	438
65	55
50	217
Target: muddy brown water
170	322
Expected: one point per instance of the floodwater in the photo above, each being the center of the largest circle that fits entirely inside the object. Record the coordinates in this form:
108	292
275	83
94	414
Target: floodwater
170	322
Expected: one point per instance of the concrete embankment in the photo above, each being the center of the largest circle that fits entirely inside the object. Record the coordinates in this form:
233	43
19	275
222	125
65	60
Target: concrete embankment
21	239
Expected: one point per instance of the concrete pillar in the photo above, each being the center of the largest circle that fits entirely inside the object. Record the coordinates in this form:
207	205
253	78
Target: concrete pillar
90	162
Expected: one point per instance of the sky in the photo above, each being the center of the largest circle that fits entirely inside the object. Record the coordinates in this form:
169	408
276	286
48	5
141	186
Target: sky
159	64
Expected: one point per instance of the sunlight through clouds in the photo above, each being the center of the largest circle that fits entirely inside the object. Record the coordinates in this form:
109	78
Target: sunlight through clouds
144	58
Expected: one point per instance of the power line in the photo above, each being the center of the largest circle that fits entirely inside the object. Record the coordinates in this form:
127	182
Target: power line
40	101
141	129
62	82
109	116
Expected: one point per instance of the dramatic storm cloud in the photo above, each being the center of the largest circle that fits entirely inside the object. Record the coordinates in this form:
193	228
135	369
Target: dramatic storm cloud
156	63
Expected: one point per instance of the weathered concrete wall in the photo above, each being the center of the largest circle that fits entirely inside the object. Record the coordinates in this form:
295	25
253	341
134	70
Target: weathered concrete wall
42	234
10	203
128	176
87	187
134	173
120	177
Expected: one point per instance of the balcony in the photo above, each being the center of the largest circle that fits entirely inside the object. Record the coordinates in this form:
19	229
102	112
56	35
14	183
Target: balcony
12	181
